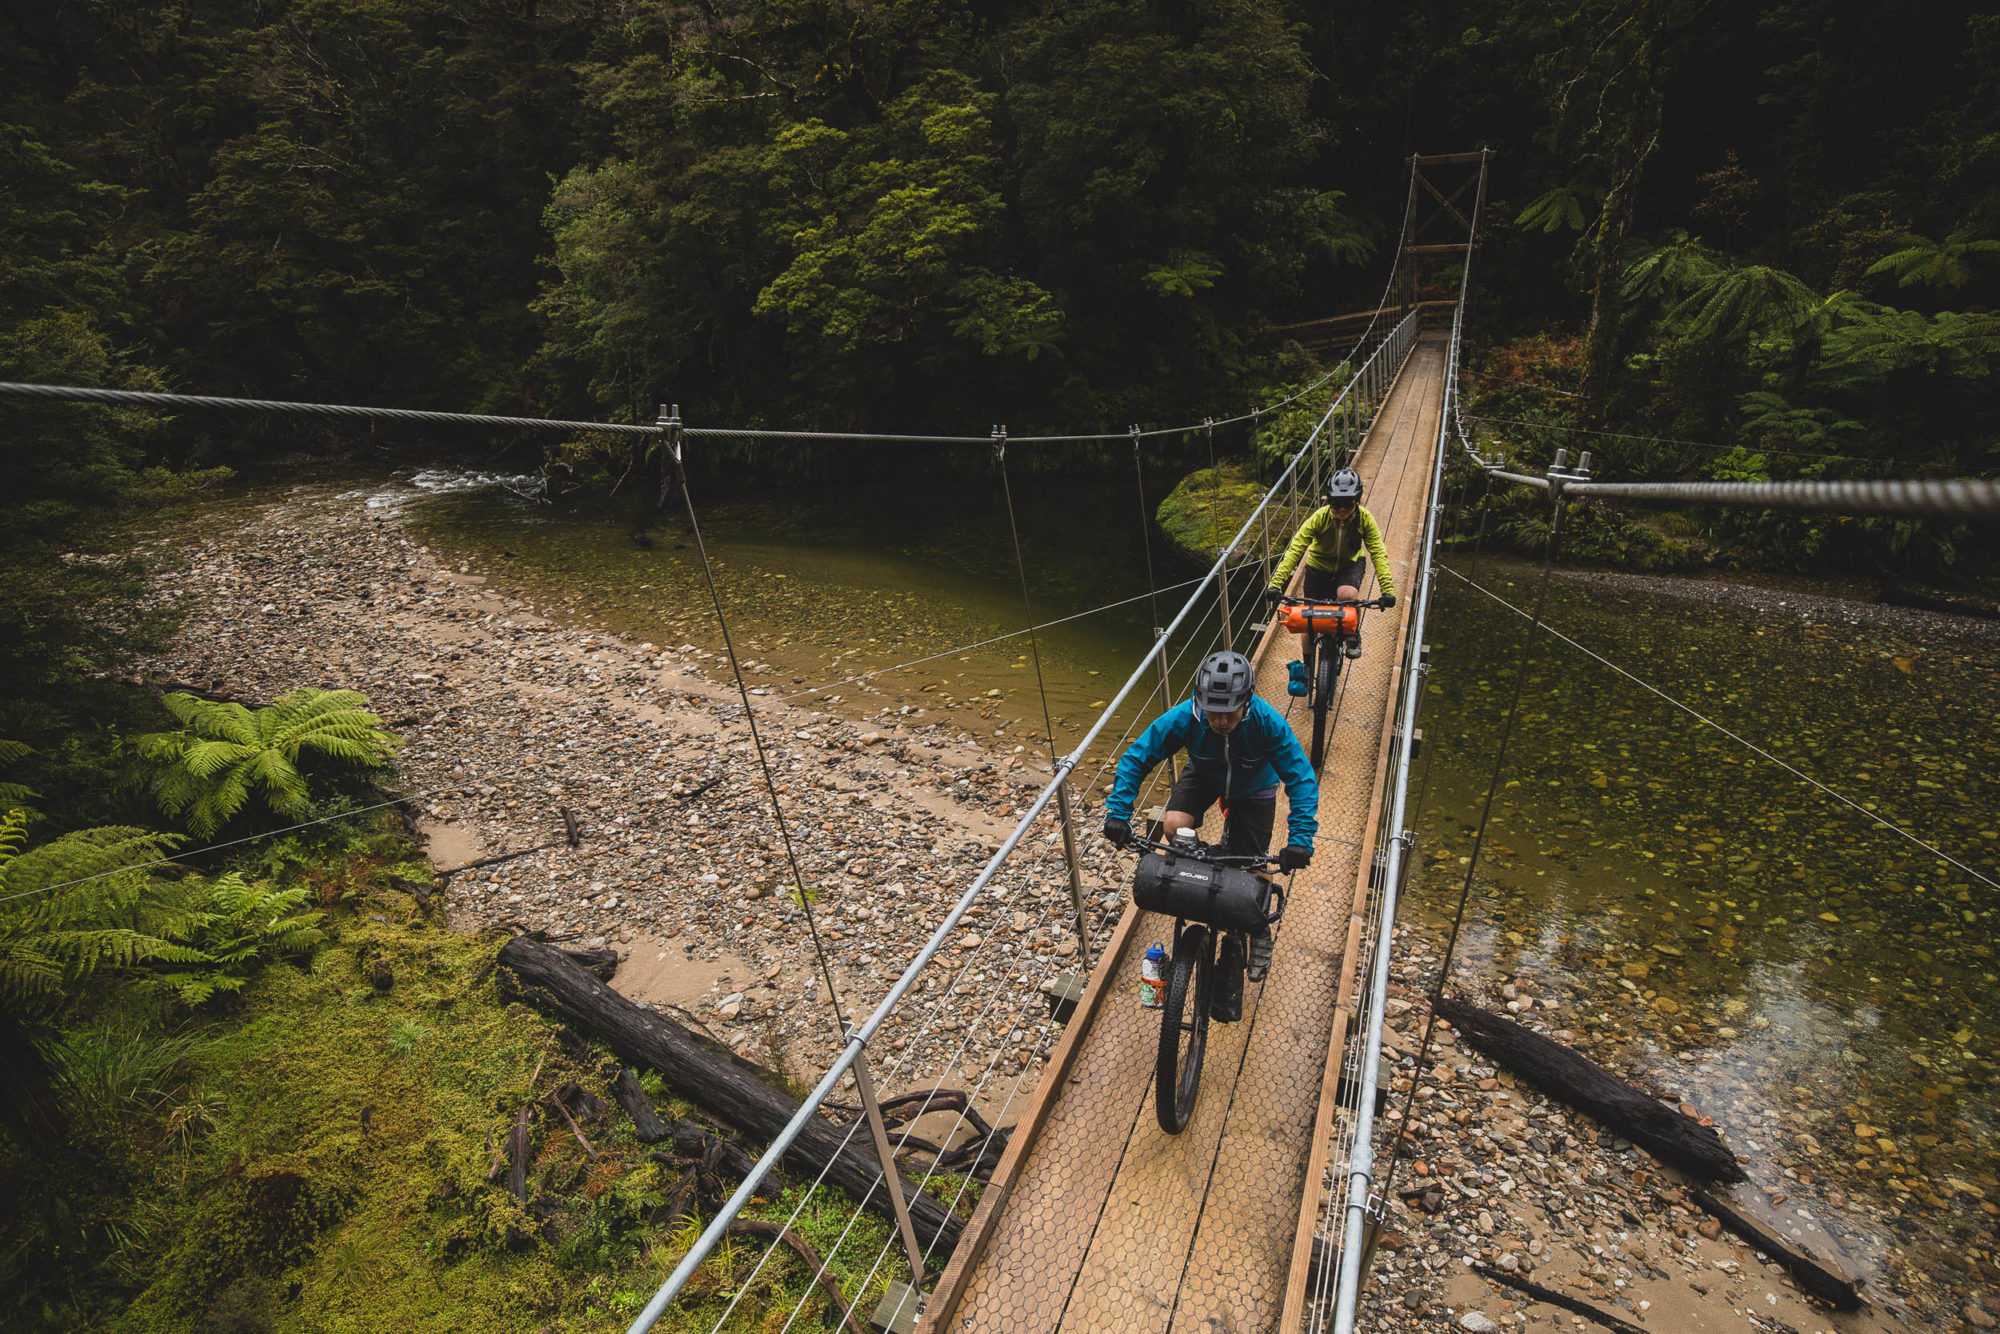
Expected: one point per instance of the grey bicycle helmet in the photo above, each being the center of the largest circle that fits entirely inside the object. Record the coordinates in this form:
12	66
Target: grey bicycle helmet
1344	487
1224	683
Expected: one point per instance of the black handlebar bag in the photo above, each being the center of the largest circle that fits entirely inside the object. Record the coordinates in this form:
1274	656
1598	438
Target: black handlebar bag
1224	897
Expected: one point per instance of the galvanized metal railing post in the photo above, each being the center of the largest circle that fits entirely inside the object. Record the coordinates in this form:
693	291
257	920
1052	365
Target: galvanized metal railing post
1222	585
1166	697
1075	875
892	1180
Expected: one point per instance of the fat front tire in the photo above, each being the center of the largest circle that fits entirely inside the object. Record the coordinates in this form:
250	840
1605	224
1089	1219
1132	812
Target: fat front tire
1326	666
1184	1029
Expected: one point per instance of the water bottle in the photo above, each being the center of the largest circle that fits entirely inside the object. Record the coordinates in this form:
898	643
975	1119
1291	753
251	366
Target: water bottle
1153	978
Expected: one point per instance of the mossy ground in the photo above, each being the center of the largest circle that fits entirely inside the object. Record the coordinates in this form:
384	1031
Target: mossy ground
1205	510
322	1156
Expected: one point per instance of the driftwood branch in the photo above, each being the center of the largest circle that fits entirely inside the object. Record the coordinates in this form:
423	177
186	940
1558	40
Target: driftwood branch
645	1120
757	1227
1554	1298
721	1082
1569	1078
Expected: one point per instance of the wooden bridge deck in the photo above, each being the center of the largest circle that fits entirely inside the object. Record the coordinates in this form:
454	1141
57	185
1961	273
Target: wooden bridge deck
1097	1220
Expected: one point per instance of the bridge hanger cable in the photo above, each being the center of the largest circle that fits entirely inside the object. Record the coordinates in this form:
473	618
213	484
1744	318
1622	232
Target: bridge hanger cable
1745	742
970	959
671	425
1027	605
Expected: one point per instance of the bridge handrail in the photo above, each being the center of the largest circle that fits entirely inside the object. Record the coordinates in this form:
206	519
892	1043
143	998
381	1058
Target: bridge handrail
1359	1177
1390	351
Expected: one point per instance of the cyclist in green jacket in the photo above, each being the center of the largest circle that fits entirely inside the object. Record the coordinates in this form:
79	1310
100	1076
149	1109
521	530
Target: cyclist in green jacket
1331	541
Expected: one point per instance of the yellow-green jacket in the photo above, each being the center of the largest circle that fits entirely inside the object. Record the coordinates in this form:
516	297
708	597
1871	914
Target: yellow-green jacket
1332	544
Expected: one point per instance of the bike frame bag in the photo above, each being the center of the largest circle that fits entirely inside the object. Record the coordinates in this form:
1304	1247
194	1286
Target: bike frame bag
1219	896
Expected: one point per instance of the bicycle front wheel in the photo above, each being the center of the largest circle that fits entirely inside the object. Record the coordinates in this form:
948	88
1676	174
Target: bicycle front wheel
1184	1029
1326	666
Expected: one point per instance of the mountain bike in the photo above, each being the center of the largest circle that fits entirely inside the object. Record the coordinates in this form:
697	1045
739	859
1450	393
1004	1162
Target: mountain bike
1327	628
1217	899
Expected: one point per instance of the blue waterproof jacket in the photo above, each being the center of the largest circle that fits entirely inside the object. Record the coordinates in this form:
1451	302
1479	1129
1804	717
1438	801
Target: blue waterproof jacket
1261	751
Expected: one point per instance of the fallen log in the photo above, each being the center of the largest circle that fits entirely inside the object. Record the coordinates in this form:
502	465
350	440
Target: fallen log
1569	1078
723	1084
1830	1286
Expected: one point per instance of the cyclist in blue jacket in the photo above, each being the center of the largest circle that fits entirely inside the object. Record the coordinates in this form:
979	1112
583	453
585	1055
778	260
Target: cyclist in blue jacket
1238	749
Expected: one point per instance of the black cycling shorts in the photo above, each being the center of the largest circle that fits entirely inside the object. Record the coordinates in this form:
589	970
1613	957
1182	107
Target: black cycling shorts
1325	585
1246	821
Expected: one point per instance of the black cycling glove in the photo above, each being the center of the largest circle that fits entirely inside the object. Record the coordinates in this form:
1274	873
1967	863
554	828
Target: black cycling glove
1271	595
1117	830
1388	601
1294	858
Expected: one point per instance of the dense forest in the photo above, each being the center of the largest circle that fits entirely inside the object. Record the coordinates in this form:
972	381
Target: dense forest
1724	241
1771	231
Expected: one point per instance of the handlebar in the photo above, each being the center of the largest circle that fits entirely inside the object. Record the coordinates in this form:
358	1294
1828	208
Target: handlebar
1287	600
1202	853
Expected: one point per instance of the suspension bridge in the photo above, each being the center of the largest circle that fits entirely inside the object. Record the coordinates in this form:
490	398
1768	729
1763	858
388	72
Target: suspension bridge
1257	1216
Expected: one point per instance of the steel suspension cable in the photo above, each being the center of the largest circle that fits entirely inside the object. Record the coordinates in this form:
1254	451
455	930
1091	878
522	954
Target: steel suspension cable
1027	604
154	399
756	736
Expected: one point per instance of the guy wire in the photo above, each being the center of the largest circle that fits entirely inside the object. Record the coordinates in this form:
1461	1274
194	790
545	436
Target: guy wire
763	762
1027	607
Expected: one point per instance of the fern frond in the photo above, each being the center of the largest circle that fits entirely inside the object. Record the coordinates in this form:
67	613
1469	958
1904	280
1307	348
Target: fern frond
211	720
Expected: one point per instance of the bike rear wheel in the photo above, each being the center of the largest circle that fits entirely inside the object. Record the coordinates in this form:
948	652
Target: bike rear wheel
1184	1029
1326	666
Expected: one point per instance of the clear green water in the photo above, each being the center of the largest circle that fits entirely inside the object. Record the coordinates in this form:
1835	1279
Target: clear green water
1805	971
835	582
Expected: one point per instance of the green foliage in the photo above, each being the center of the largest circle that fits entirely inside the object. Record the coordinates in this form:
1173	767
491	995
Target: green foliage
243	924
225	754
1945	265
1207	507
90	901
1558	209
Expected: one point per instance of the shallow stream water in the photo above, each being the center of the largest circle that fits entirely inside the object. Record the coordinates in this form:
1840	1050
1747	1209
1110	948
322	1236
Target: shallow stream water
1818	984
1700	917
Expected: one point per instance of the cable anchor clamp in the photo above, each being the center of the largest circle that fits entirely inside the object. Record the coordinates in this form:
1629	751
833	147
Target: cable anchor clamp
671	429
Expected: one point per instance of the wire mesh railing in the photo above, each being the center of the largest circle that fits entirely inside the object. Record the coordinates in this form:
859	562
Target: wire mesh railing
1368	384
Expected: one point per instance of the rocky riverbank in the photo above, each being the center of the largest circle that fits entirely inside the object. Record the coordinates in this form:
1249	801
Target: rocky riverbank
510	715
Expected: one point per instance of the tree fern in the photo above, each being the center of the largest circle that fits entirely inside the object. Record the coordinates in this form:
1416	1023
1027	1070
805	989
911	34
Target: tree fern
1941	265
1752	301
13	794
84	903
1560	209
224	754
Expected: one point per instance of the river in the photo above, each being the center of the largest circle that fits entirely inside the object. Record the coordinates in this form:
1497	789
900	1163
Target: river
1712	923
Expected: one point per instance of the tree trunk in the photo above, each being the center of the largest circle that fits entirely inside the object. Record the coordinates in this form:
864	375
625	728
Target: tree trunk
723	1084
1567	1077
